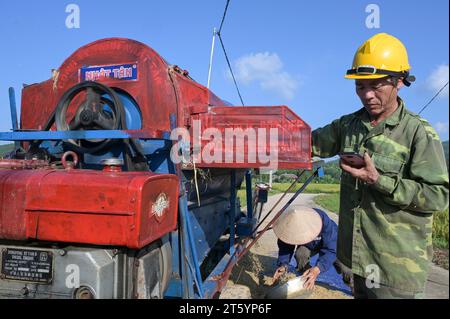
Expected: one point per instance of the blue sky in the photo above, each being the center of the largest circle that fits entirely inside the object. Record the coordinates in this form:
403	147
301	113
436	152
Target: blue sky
283	52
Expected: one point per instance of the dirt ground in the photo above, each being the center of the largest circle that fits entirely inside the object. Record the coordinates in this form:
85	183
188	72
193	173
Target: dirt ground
251	277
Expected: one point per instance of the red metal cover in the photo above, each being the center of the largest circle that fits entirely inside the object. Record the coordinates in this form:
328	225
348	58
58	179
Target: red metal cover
129	209
252	137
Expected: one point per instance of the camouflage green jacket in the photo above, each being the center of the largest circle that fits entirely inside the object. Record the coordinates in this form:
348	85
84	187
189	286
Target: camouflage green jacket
388	225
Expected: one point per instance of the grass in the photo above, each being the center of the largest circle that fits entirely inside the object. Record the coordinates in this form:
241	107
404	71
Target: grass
242	195
440	229
328	201
311	188
278	188
329	198
5	148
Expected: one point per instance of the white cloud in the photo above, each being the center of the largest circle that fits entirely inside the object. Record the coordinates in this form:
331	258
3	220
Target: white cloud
267	70
441	127
438	78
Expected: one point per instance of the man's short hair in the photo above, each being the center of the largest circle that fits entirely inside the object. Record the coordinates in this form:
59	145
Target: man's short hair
394	79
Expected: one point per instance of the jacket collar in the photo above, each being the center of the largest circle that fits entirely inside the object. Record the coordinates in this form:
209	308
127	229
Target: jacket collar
392	120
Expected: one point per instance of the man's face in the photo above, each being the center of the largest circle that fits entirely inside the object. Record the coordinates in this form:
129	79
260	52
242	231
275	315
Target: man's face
378	95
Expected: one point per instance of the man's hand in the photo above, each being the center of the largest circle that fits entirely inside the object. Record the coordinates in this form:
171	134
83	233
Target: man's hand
368	173
310	277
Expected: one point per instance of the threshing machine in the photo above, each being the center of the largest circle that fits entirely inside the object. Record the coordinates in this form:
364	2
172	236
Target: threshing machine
104	194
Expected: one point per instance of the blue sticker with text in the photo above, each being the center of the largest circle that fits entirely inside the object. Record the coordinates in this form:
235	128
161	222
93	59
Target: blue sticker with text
124	72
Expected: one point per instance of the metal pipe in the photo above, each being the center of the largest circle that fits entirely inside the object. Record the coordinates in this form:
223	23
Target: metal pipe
232	209
187	287
13	108
79	135
197	283
248	189
211	57
276	204
197	272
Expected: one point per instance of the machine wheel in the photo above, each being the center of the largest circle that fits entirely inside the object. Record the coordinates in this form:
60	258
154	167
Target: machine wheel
96	112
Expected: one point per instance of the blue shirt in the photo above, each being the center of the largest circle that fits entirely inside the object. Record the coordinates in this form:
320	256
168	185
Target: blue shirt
324	244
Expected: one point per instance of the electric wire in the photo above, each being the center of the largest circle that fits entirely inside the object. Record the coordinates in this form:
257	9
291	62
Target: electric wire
219	34
432	99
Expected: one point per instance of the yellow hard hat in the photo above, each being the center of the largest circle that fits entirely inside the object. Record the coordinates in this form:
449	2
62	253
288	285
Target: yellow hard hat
380	56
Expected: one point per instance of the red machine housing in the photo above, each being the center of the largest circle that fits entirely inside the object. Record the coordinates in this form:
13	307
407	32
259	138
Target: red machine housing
292	146
86	206
162	91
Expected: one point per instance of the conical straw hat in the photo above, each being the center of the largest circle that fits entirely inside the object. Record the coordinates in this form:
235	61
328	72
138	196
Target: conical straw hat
298	225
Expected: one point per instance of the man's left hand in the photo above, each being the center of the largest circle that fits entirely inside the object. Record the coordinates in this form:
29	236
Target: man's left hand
310	277
368	173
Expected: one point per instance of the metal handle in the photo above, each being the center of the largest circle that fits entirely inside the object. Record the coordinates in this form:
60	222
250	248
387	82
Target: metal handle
69	164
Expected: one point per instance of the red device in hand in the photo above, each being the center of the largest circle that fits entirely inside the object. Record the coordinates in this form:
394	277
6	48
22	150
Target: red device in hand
352	158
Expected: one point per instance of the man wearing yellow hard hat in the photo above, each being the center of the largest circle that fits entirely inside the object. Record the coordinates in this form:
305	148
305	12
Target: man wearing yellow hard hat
387	200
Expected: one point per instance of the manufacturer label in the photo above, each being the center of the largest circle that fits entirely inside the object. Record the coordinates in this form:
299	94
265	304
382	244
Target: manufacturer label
27	265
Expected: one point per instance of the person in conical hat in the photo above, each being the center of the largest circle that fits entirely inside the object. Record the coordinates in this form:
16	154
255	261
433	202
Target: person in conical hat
312	232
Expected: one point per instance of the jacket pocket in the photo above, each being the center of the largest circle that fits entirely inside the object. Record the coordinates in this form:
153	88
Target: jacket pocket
388	165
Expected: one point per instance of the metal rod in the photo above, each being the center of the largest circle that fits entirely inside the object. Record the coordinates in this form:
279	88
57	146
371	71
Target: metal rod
175	286
276	204
186	273
197	283
211	57
248	189
187	287
261	230
79	135
13	108
183	241
232	210
197	273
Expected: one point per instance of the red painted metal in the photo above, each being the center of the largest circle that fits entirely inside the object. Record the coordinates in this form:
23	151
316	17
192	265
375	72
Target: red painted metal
291	134
86	206
161	90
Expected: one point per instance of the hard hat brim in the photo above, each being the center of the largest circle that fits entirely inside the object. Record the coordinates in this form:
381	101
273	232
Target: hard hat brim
365	76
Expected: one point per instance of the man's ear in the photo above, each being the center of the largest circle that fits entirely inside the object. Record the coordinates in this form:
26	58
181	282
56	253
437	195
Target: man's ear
400	83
